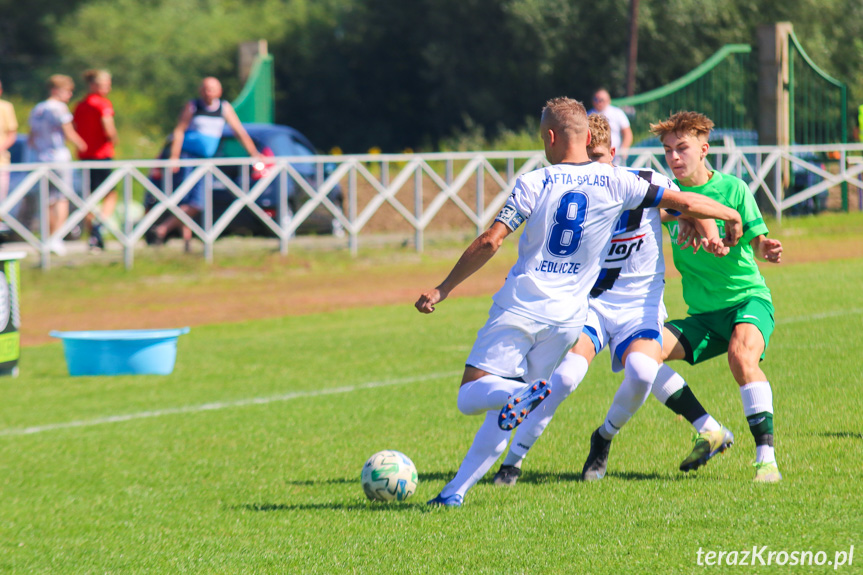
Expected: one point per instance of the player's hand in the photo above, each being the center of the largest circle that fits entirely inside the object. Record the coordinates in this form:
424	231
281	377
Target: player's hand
771	250
427	301
715	246
687	235
733	232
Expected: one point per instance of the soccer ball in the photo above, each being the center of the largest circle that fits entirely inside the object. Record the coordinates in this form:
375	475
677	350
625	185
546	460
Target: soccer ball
389	476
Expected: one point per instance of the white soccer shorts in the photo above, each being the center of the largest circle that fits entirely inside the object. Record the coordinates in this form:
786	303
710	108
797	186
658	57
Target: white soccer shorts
616	326
513	346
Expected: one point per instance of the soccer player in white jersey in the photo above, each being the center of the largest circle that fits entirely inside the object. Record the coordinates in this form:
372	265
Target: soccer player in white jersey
569	210
626	314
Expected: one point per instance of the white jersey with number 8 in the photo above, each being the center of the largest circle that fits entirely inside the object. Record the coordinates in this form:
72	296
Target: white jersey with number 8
571	211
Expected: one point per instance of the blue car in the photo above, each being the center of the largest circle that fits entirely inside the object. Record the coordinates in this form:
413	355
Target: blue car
272	140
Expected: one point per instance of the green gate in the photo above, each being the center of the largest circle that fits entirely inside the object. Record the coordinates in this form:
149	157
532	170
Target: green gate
818	113
723	87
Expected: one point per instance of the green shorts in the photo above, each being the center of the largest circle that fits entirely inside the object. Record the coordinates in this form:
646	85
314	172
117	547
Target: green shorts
706	335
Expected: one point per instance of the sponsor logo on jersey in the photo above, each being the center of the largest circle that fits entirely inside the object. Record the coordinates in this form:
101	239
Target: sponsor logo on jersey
558	267
569	180
622	248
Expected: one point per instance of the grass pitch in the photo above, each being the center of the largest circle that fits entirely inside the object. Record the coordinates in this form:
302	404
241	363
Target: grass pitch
247	458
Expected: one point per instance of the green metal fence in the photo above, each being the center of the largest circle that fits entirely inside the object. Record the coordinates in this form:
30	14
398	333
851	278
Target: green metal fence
818	113
724	87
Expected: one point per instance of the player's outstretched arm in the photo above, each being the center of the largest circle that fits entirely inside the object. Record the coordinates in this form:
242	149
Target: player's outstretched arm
698	206
767	249
705	234
474	257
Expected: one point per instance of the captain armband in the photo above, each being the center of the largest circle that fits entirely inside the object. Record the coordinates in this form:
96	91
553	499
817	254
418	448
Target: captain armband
510	217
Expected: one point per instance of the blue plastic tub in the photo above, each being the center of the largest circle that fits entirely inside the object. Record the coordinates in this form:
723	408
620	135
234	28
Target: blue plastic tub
120	352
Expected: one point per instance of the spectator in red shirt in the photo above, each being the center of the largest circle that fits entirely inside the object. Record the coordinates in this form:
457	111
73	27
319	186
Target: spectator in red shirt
94	121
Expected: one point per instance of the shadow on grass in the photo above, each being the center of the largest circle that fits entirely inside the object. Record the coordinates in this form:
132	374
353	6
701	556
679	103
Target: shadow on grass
333	481
431	476
840	434
540	477
334	506
537	478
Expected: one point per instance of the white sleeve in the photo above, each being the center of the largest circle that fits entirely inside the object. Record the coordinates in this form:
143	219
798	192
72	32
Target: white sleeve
63	115
637	193
663	181
518	206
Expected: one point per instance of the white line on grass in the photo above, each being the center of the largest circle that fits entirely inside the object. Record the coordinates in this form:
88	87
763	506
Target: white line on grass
221	405
299	394
825	315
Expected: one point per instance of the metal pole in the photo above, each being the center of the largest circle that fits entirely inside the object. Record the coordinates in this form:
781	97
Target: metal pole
208	213
44	206
353	241
632	55
418	209
480	197
128	247
285	209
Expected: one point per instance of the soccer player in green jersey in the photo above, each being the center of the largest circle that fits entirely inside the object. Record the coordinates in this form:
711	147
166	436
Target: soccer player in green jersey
730	308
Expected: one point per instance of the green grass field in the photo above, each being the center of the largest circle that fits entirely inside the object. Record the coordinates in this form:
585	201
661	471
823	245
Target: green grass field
247	458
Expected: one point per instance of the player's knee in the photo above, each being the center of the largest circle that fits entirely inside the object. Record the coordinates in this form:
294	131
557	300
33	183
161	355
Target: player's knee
465	401
569	374
742	359
564	383
641	370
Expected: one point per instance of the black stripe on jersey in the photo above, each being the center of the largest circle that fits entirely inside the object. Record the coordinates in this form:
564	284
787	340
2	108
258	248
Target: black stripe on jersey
605	281
633	221
650	198
646	175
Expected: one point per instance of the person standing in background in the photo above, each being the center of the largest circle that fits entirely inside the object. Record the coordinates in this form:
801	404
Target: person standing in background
196	136
50	127
94	121
621	132
8	133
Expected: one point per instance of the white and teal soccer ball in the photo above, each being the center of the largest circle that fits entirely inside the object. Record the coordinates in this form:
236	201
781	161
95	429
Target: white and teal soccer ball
389	476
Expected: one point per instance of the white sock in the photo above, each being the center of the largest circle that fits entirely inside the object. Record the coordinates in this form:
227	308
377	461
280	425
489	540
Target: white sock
488	392
667	383
564	380
757	397
706	423
639	373
488	444
764	454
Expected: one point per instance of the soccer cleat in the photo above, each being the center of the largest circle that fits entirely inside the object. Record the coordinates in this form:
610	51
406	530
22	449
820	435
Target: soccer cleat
521	404
454	500
707	444
507	475
766	472
597	459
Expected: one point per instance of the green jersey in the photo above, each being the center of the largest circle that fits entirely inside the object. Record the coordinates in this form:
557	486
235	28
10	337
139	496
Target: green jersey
711	283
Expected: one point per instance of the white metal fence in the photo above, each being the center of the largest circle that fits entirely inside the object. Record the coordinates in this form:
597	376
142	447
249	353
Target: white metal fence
356	193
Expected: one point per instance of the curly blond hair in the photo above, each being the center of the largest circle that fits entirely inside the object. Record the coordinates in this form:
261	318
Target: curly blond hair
691	123
600	131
